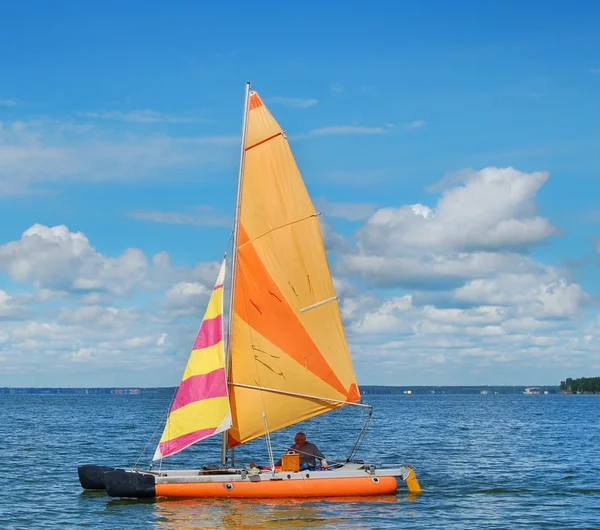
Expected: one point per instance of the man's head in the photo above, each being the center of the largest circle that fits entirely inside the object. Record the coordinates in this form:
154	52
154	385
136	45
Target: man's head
300	439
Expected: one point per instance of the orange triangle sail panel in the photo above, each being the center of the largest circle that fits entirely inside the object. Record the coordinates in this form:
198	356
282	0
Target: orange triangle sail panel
262	305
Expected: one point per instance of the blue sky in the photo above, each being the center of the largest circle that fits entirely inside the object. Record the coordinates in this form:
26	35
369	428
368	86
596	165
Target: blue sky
121	123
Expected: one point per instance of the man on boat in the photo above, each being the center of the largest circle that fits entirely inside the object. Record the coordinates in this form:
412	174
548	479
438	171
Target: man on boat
307	452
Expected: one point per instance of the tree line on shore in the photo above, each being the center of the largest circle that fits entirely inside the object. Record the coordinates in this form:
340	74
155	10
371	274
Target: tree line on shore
581	384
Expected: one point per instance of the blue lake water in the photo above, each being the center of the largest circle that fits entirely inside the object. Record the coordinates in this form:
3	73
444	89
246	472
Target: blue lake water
484	461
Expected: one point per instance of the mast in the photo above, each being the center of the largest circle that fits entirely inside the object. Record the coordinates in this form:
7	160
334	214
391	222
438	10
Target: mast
234	255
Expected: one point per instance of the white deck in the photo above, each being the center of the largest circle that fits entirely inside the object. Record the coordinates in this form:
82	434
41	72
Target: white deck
184	476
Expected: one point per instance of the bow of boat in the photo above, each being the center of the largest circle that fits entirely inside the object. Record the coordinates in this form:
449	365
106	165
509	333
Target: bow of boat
91	476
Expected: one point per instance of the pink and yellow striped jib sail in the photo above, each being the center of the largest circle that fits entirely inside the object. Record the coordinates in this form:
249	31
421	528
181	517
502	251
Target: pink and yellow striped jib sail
201	406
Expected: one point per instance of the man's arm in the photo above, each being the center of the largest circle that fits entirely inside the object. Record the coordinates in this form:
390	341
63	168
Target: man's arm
318	453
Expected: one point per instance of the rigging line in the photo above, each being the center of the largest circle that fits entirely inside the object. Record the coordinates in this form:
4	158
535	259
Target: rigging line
148	442
229	242
307	396
361	435
169	432
152	435
268	440
278	227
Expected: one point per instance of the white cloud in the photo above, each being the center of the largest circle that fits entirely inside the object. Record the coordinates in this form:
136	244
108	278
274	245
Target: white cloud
36	151
476	229
353	307
11	306
162	339
347	129
333	241
301	103
57	258
336	88
60	262
186	295
101	334
97	314
351	211
205	216
343	287
140	116
358	177
472	241
400	342
541	295
426	270
417	124
96	346
401	316
387	318
7	103
493	210
477	308
118	342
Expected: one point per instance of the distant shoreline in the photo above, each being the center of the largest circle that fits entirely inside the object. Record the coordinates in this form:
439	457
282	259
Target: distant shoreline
366	390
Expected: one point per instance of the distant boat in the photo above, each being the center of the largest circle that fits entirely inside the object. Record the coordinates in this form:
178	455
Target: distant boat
287	357
532	391
484	392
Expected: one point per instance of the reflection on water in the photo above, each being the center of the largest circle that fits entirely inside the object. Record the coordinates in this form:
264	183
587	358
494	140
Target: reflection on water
266	513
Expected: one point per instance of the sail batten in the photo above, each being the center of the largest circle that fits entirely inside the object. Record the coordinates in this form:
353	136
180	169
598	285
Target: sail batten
201	406
279	227
317	304
281	271
264	141
304	396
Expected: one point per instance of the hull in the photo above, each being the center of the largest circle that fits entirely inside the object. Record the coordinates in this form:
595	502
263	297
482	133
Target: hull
347	481
278	489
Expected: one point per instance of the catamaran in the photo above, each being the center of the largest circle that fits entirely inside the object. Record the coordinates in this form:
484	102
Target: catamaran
286	358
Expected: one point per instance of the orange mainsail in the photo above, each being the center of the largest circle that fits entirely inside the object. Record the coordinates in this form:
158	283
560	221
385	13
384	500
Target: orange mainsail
287	331
201	406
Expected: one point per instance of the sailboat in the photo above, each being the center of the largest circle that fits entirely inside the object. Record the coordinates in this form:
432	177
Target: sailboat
286	358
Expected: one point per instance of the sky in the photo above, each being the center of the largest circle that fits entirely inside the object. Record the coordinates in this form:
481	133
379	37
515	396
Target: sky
451	147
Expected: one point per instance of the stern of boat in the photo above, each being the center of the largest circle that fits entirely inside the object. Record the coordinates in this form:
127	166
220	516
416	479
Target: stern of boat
409	477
